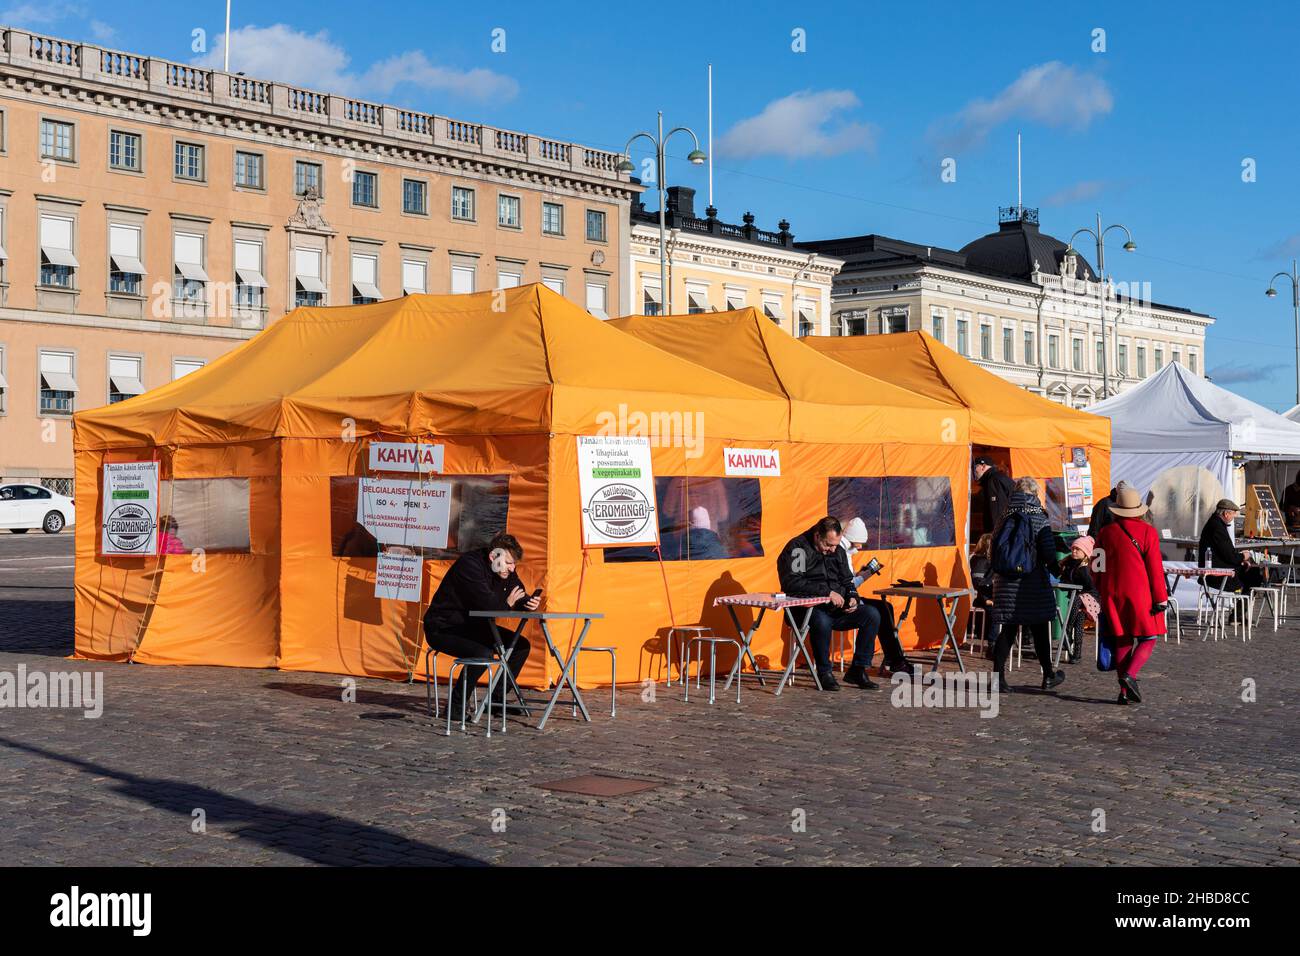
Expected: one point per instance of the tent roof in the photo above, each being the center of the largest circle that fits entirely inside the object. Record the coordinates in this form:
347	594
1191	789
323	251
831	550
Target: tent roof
1002	414
1175	410
432	364
829	402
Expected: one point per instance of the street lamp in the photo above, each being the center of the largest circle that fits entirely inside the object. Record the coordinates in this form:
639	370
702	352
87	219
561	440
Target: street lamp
1130	246
696	157
1295	307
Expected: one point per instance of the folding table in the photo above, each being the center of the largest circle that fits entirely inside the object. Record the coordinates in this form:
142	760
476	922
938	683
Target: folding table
566	665
940	595
799	630
1072	590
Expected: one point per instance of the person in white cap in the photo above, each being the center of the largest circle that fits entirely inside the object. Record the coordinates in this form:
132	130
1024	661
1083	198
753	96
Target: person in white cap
852	540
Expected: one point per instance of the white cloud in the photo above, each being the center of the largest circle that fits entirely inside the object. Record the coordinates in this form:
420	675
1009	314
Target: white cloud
1051	93
281	53
800	125
1079	192
39	14
1283	249
101	31
1235	373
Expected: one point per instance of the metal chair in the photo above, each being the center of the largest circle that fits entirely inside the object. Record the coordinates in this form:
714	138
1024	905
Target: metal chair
493	665
698	630
983	638
613	675
1274	597
431	680
713	643
1173	607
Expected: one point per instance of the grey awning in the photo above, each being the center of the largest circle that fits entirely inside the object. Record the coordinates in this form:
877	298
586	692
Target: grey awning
127	385
192	271
59	257
311	284
59	381
251	277
128	264
366	290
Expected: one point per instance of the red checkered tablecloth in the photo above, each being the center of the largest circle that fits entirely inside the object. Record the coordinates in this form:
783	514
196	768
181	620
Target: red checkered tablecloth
769	601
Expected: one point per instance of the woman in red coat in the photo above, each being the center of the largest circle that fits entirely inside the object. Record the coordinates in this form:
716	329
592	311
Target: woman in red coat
1131	583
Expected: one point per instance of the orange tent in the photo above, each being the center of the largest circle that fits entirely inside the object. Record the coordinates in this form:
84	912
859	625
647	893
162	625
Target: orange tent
1028	434
913	451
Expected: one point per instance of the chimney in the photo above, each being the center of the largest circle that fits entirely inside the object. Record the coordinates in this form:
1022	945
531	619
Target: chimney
681	201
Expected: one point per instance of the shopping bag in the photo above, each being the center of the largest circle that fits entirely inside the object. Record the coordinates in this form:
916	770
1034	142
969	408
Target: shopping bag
1105	646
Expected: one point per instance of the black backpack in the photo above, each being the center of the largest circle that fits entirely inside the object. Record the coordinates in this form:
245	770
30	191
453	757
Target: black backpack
1014	554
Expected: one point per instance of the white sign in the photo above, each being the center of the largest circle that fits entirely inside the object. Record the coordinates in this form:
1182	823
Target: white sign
405	456
397	576
752	462
405	511
617	488
130	508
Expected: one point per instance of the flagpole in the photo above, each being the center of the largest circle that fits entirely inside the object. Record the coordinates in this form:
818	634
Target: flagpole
710	134
227	43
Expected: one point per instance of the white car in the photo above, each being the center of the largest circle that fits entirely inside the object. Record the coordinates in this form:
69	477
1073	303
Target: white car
23	507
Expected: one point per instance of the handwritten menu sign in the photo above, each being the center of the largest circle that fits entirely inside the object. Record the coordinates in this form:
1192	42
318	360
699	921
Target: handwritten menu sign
1263	516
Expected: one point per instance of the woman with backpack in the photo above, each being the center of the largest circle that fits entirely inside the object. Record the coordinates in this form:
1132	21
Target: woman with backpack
1131	582
1023	552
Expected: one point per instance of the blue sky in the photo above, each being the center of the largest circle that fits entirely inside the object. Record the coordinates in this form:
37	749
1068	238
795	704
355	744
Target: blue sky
848	136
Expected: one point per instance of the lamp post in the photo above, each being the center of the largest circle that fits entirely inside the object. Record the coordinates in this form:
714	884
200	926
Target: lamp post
1294	276
696	157
1099	234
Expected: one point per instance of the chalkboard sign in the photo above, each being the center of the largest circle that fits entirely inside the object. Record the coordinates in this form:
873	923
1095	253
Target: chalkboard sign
1263	516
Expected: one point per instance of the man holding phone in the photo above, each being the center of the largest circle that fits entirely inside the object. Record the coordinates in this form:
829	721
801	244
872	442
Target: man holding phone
814	565
479	580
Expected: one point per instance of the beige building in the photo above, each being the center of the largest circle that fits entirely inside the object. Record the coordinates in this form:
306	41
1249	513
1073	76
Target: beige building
714	266
154	214
1019	303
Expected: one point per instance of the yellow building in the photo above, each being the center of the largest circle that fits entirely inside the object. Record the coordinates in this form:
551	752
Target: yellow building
714	266
154	215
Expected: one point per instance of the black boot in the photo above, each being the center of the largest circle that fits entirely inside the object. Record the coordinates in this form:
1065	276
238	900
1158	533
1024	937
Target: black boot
1053	680
857	676
827	680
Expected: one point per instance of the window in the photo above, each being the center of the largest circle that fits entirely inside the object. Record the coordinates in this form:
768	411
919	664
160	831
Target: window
1076	354
1008	345
735	299
480	505
1191	361
807	321
937	324
365	279
309	289
893	320
1053	351
508	211
462	279
962	345
596	295
248	170
183	367
1031	357
189	279
552	219
703	519
555	284
508	280
188	162
1122	359
775	310
899	512
415	276
124	150
58	385
462	203
697	300
651	300
851	323
1159	357
365	189
125	268
1100	356
595	225
415	197
1142	361
1175	356
306	176
986	343
210	513
249	280
58	264
125	379
58	140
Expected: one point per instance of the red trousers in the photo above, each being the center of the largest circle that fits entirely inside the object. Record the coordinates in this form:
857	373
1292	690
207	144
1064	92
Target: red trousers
1131	653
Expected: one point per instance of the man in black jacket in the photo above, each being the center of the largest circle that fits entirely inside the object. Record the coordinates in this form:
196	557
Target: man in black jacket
1216	545
480	580
814	565
995	492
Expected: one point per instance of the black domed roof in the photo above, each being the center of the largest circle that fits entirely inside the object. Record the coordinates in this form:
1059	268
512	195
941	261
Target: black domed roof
1017	246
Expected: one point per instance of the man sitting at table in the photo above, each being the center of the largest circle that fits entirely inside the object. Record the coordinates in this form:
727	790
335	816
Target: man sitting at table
479	580
1216	545
814	565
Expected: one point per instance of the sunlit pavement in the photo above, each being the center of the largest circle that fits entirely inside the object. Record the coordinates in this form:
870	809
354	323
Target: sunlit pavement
272	767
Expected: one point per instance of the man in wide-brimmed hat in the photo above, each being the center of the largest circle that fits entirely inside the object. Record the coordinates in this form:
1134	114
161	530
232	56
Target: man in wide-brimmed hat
1217	548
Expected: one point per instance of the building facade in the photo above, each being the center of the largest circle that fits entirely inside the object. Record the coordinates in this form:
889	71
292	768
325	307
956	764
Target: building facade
153	215
715	266
1018	302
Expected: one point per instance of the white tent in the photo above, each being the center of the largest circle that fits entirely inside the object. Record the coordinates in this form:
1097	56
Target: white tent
1174	438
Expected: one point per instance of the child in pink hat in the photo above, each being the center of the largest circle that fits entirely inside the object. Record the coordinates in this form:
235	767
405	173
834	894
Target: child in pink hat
1075	570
